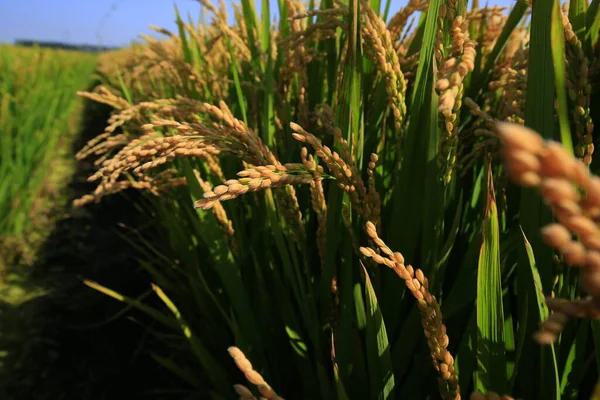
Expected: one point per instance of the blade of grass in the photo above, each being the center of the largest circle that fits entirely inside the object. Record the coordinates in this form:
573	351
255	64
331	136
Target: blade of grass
416	191
558	56
386	11
187	54
577	14
217	376
530	277
538	111
157	315
490	374
592	20
573	371
378	348
347	116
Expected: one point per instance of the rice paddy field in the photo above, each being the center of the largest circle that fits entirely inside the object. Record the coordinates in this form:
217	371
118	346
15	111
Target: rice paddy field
37	122
340	201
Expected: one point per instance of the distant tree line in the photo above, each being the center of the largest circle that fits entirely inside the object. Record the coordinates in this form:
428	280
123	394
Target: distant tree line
65	46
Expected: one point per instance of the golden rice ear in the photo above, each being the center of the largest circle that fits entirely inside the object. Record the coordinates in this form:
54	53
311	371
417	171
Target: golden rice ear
590	274
245	366
557	162
243	391
523	167
556	235
435	330
561	176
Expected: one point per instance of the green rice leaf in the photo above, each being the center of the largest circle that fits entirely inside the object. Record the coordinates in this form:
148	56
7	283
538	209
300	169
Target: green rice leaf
577	14
418	186
592	20
558	56
187	54
490	374
135	303
536	306
211	367
573	371
378	347
539	106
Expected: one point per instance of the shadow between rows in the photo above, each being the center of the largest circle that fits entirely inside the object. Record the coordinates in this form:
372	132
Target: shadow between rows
59	345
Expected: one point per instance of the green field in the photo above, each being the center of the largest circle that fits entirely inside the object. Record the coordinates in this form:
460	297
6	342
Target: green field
38	123
354	202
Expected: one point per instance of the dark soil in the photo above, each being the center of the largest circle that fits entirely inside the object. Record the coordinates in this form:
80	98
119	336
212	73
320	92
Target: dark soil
63	345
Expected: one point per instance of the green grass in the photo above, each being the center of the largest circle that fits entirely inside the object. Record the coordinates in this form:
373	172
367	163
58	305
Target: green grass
38	123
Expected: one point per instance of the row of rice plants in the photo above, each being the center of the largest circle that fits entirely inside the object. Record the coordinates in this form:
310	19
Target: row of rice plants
37	124
334	204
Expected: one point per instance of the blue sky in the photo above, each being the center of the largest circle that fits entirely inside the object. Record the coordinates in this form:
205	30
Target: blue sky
100	22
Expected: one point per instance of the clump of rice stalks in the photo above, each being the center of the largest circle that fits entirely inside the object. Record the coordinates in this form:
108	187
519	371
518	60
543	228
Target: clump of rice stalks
284	139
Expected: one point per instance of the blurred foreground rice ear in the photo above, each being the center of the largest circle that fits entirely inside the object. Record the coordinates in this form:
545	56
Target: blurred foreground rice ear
252	376
573	194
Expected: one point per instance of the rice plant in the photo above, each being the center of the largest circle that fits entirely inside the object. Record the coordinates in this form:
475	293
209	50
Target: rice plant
334	205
